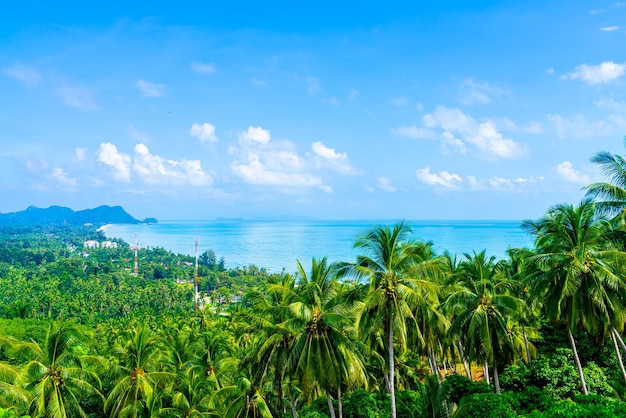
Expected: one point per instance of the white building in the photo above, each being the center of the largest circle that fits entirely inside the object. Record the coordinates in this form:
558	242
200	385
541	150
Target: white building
109	244
91	244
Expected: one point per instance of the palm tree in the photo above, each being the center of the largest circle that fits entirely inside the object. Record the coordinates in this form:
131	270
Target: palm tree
56	376
611	195
322	354
271	309
399	273
481	308
579	278
137	358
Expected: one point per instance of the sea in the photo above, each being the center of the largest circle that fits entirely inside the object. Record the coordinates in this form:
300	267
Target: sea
276	245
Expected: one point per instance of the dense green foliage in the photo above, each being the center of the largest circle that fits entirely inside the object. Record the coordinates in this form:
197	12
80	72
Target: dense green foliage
400	332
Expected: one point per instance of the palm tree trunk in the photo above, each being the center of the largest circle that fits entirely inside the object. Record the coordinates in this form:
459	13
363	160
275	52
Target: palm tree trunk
619	338
577	361
392	384
618	353
465	365
486	372
339	403
496	379
292	401
331	408
526	345
435	364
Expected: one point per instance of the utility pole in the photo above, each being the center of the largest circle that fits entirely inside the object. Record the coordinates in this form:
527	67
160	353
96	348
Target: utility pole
136	257
196	275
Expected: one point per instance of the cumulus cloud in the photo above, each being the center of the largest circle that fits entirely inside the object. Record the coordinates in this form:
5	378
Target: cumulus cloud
203	68
258	160
152	168
609	28
385	184
77	96
120	163
567	171
60	178
204	132
472	92
255	134
602	73
332	159
459	128
150	89
442	178
24	74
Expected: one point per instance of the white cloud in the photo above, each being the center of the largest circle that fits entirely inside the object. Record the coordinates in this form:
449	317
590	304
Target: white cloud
151	89
483	135
137	134
154	169
442	178
609	28
258	160
414	132
256	134
567	171
353	94
120	163
501	183
332	159
385	184
60	178
24	74
259	83
77	96
255	172
202	68
79	154
597	74
204	132
472	92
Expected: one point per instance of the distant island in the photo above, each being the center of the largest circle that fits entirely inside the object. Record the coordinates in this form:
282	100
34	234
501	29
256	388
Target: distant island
59	215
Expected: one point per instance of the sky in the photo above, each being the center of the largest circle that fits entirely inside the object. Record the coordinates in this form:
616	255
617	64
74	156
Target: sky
330	110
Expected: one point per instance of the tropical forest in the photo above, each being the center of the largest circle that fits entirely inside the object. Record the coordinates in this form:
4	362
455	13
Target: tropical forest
400	331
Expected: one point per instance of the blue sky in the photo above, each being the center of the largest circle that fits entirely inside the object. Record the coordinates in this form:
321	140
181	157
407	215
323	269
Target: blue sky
335	110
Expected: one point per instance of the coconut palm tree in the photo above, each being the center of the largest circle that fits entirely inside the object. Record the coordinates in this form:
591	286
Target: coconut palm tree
481	308
400	273
137	357
57	377
322	354
579	280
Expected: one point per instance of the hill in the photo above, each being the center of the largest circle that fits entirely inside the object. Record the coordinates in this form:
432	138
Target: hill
101	215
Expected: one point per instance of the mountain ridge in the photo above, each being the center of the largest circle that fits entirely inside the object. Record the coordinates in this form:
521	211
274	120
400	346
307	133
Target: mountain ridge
98	216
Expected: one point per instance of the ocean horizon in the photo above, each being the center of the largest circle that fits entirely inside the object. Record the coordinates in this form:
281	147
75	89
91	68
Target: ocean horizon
277	244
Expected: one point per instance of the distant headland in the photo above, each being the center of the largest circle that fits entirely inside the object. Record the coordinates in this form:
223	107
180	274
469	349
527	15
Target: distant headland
59	215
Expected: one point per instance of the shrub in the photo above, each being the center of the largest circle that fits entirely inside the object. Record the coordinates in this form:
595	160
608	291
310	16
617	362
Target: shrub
485	405
457	386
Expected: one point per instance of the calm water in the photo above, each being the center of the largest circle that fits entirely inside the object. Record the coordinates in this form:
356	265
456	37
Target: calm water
278	244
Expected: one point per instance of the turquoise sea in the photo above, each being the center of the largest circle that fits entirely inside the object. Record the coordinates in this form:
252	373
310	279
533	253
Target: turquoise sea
278	244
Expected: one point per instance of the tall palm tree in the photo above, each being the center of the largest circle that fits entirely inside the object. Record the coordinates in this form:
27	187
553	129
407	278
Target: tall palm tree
579	279
57	377
399	272
322	354
481	308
